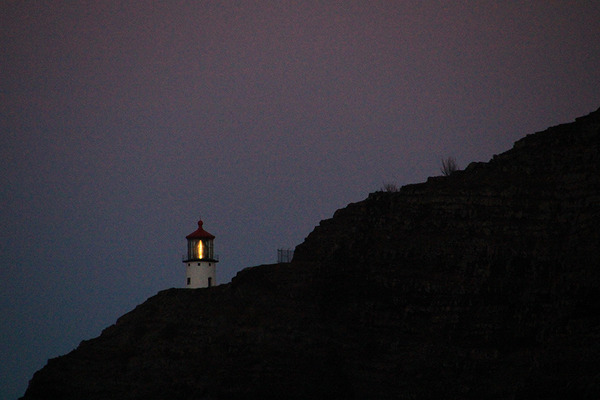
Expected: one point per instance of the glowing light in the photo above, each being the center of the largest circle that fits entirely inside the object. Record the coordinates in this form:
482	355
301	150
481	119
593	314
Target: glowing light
200	249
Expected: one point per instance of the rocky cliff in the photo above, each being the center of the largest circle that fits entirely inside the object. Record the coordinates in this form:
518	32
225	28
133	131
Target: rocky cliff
482	284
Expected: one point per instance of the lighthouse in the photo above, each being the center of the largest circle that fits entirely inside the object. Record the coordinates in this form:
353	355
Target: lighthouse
200	261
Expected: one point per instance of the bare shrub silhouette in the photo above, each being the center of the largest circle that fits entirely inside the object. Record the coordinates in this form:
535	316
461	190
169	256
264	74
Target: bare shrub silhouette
449	166
390	187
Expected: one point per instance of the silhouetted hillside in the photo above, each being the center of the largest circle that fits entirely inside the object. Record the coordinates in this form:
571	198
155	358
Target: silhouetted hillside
483	284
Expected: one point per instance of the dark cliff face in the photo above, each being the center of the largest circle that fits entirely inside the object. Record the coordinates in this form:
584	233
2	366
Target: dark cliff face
483	284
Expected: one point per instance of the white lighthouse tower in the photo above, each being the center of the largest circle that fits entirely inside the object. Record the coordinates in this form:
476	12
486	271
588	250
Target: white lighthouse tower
200	262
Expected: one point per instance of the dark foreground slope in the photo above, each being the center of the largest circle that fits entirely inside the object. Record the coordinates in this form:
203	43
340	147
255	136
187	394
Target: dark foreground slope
484	284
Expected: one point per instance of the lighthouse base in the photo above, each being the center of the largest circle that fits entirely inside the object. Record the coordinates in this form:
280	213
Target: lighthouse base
200	274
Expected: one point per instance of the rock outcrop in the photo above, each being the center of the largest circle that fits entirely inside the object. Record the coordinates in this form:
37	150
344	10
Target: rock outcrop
482	284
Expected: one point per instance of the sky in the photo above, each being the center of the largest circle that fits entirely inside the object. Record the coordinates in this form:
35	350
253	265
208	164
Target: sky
123	123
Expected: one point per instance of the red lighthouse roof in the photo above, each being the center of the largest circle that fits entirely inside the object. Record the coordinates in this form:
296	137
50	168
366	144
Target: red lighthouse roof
200	233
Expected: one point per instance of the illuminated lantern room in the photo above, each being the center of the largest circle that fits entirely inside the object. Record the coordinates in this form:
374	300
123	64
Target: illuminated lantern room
200	245
200	259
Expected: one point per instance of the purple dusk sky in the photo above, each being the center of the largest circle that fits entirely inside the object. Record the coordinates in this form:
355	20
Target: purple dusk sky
123	122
